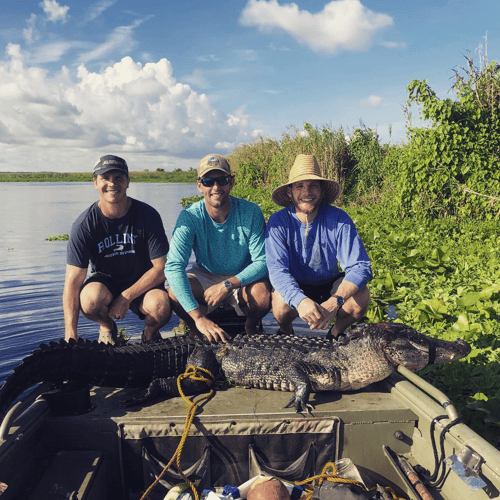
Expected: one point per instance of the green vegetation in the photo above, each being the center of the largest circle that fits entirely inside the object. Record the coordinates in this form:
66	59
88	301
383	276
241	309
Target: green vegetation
176	175
59	237
428	213
451	167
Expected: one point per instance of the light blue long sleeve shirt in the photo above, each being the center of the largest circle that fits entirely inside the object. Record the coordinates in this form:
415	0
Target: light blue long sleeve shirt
235	247
292	256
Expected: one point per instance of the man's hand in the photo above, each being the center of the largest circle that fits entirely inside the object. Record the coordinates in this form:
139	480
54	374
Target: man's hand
216	294
210	330
119	307
316	316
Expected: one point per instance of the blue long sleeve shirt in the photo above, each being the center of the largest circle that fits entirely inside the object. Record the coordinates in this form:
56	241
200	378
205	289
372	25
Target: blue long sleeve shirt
235	247
313	259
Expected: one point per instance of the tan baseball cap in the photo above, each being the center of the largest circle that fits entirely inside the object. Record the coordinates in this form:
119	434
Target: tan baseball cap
213	162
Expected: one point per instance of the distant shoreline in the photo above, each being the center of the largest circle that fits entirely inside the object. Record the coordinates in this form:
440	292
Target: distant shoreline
175	176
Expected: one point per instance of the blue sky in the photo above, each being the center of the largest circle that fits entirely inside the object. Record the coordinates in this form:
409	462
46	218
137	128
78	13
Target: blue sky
162	83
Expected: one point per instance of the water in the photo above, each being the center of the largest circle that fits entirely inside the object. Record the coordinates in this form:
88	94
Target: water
32	269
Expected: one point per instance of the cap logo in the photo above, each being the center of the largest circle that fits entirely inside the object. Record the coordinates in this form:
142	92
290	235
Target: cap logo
213	161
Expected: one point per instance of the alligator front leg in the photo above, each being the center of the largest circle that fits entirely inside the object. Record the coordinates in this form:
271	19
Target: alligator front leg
300	398
298	378
166	387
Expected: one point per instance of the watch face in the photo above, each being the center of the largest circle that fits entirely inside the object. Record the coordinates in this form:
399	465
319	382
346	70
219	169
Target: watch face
228	285
340	300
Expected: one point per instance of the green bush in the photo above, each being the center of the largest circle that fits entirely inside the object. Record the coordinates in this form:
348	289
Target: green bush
452	167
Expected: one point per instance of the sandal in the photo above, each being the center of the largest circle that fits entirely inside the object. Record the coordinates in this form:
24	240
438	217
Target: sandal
107	336
155	338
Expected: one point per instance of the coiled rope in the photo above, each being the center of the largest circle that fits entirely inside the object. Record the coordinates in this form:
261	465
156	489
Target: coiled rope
194	373
329	473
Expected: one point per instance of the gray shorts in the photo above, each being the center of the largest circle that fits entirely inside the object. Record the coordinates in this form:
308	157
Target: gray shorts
207	279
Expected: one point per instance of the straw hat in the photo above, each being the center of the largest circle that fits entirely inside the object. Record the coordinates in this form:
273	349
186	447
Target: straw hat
306	168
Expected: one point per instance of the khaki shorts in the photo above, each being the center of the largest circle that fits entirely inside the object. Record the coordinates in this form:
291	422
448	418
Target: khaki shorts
207	279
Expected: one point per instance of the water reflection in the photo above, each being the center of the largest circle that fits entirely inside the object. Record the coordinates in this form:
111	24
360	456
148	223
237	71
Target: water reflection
32	269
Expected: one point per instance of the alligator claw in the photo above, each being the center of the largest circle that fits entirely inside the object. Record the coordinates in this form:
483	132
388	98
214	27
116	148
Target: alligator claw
300	405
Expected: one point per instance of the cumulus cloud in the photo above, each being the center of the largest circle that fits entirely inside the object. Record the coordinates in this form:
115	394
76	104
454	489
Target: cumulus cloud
127	107
54	11
371	102
341	25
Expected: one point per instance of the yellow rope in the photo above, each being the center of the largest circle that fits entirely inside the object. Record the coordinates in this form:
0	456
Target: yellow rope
194	373
332	477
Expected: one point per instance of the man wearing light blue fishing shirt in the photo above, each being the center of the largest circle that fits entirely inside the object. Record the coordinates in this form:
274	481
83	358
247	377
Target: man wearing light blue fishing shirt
227	237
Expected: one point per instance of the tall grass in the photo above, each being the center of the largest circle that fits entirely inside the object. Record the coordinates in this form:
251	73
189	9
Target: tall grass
355	161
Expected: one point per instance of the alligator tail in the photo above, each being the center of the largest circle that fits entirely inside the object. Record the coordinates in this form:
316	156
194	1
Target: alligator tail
94	363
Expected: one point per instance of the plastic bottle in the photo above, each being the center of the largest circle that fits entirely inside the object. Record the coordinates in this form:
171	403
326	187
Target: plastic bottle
347	470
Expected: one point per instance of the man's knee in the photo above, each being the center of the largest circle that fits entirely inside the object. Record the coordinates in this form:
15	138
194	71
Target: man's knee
258	296
94	297
156	303
281	310
360	301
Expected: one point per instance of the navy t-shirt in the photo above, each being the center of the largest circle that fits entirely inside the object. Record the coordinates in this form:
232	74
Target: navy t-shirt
121	248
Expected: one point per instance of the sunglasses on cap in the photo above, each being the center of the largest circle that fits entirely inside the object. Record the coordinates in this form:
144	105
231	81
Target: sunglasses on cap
210	181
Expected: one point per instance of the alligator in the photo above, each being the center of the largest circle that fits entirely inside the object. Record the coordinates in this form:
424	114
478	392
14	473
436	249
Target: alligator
367	354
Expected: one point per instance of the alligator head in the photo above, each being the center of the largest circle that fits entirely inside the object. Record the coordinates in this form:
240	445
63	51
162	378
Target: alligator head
404	346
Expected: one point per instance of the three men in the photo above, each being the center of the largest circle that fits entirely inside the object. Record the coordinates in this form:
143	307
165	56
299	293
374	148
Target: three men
227	237
305	241
125	242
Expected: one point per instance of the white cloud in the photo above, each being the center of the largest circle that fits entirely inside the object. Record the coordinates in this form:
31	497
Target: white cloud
94	11
246	54
51	52
120	39
394	45
341	25
209	58
30	33
197	79
54	11
371	102
127	108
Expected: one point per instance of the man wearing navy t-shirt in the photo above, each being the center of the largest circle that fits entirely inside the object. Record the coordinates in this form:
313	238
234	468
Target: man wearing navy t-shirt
126	245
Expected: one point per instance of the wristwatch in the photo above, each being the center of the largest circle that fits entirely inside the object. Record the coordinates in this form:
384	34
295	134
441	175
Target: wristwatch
228	285
340	300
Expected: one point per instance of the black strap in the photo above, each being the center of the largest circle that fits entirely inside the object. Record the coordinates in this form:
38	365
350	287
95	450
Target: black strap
432	353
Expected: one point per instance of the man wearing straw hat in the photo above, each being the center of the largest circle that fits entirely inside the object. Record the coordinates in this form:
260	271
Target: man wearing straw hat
227	237
305	242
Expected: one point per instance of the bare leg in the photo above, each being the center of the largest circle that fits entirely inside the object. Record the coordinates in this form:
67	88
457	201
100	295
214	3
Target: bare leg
198	293
95	300
257	296
283	313
353	310
156	307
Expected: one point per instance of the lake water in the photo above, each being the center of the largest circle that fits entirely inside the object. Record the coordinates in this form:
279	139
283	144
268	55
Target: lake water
32	269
